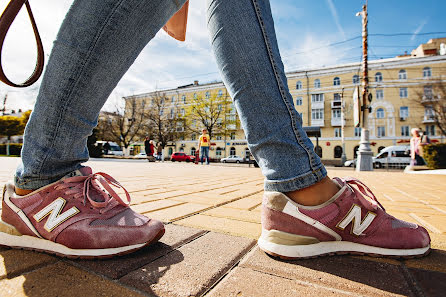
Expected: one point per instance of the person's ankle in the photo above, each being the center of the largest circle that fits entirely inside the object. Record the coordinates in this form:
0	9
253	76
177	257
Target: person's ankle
315	194
22	192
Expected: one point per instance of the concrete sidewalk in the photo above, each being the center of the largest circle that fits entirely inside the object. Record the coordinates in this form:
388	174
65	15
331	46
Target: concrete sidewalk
212	216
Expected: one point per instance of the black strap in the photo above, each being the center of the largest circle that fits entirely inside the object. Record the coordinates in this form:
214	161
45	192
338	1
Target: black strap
6	20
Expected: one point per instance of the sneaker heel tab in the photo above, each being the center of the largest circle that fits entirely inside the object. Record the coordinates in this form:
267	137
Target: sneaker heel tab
275	200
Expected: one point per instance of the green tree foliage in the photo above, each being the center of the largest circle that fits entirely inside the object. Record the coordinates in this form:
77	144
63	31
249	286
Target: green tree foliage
11	126
213	112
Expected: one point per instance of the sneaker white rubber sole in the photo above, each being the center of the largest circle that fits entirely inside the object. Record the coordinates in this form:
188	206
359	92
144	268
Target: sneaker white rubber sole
44	245
332	248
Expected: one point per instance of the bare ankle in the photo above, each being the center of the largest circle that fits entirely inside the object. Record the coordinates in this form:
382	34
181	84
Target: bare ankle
315	194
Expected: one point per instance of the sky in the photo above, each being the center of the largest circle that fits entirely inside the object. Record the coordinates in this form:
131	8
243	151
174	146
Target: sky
310	34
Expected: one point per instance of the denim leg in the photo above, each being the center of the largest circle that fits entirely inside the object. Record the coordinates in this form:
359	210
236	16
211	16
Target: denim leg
246	50
96	44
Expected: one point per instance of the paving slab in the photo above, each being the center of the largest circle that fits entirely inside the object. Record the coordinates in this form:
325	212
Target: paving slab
178	212
223	225
14	262
62	280
115	268
248	282
154	205
344	273
191	269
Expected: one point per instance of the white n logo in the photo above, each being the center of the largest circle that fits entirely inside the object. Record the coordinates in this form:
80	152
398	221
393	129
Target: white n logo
354	217
55	217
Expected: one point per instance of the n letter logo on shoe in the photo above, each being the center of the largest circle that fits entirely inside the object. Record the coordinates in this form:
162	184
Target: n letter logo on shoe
54	211
354	217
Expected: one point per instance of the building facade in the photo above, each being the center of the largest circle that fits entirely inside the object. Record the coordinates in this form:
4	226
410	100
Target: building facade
401	89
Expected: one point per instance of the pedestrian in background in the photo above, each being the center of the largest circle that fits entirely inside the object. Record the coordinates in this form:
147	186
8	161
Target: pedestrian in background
159	151
416	148
203	146
147	146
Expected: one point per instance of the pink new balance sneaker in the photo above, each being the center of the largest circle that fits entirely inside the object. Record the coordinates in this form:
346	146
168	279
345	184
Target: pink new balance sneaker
79	216
352	221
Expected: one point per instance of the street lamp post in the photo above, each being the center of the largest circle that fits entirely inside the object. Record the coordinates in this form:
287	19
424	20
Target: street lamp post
343	156
365	161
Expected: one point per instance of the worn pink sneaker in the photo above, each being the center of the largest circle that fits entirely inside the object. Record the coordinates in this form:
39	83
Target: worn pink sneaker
79	216
352	221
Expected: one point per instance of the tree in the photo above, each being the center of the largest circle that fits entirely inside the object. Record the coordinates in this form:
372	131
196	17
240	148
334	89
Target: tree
10	126
124	125
212	112
433	98
162	119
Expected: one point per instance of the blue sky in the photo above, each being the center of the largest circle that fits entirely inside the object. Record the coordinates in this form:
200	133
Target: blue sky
305	30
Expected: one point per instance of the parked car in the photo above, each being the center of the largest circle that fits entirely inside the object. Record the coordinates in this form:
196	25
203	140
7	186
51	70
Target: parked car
114	149
393	156
181	156
232	159
141	155
350	163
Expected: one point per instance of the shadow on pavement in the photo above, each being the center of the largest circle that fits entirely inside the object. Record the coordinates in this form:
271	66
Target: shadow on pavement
37	274
420	277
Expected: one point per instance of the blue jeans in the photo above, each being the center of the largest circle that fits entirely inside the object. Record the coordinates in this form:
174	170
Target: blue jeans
204	154
99	41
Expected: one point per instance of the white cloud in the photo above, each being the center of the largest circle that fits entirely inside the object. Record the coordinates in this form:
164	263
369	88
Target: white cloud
418	30
334	13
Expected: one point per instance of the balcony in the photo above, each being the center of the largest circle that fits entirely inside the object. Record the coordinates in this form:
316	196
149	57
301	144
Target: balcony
336	122
317	104
231	127
429	99
428	119
317	123
336	104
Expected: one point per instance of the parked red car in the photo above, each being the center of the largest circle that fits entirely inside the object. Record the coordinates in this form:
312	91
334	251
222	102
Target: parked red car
181	156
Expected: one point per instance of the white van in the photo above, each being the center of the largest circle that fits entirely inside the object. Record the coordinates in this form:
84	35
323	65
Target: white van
393	156
115	149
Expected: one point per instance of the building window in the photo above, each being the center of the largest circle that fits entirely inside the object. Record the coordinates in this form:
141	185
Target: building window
379	94
232	136
317	97
381	131
173	99
299	85
429	113
183	112
232	151
192	151
336	97
172	113
428	92
299	101
195	96
220	93
337	132
318	151
403	92
404	112
193	137
184	99
405	131
218	151
218	137
427	72
380	113
402	75
355	79
337	151
336	114
317	114
317	83
357	131
430	130
336	81
378	77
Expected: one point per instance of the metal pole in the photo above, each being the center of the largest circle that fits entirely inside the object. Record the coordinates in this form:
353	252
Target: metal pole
343	157
365	161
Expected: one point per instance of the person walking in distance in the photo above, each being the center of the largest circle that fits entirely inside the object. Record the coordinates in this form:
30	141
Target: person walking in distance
203	146
56	204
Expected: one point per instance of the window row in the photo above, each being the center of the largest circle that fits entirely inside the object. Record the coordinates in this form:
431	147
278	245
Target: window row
404	113
207	96
402	75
